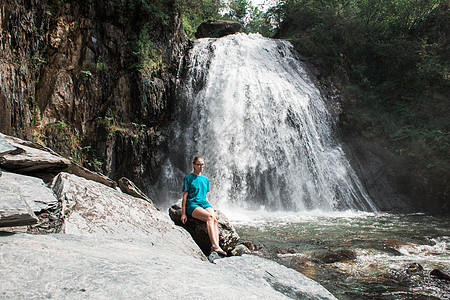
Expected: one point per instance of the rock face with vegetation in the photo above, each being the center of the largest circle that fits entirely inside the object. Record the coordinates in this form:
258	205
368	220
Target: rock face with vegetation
93	80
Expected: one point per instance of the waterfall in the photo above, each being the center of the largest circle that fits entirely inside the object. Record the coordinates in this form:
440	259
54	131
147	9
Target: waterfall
247	105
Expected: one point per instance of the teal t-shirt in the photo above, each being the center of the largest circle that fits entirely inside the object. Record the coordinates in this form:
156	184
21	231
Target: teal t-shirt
197	187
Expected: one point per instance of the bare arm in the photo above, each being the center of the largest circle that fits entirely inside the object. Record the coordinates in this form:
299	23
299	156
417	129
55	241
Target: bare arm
183	207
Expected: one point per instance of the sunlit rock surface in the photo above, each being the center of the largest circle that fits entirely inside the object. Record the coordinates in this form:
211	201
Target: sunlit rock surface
93	208
101	267
22	196
5	146
30	159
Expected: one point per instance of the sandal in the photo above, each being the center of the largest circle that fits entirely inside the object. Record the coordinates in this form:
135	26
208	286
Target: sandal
218	250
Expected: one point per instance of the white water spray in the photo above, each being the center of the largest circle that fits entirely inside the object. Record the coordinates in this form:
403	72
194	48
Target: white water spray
248	106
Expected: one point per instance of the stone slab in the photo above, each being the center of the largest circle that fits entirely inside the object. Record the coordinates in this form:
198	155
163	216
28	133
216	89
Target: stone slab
20	197
31	159
31	190
5	147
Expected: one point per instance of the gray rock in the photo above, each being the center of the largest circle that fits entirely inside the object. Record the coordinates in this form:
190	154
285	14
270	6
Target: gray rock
5	147
31	159
338	256
288	282
93	208
114	267
78	170
128	187
240	250
21	197
228	237
213	256
217	28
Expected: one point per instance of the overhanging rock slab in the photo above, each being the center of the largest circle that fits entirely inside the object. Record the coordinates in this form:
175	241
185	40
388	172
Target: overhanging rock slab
30	159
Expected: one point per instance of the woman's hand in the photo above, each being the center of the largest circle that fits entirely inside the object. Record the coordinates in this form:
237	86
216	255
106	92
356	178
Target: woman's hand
183	218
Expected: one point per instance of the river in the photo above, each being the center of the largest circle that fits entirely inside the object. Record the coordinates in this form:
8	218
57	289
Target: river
386	250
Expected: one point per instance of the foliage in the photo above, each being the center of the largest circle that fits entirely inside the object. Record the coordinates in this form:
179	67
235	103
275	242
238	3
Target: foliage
252	18
239	9
111	124
391	60
196	12
149	20
149	57
85	74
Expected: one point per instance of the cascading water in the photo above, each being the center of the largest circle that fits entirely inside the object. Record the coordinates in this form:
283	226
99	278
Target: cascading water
248	106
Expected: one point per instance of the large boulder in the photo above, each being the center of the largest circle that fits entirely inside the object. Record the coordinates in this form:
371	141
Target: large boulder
217	29
93	208
228	237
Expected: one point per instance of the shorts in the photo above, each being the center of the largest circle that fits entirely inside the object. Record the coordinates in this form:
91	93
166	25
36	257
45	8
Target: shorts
190	208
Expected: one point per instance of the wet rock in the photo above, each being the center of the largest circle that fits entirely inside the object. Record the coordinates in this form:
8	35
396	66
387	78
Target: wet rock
240	250
395	182
228	237
283	251
21	197
414	268
400	247
337	256
128	187
410	275
440	275
250	245
216	29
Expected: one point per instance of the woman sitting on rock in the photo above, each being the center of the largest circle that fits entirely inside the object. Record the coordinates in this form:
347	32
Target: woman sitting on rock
195	204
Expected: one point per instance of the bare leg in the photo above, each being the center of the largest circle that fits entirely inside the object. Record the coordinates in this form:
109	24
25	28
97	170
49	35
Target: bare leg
216	229
209	217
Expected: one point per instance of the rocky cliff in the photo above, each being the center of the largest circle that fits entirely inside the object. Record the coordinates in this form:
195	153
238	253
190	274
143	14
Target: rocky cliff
94	80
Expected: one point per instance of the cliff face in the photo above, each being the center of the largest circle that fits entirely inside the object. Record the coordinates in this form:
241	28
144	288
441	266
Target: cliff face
23	28
92	79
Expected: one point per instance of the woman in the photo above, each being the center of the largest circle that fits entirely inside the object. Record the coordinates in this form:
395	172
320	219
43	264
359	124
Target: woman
195	204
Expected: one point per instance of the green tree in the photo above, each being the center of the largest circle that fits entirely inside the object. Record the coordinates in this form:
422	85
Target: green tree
391	60
196	12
